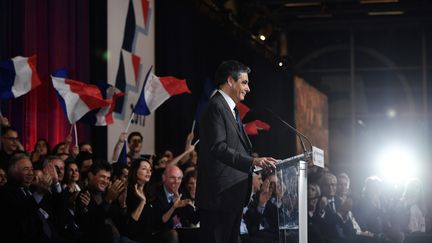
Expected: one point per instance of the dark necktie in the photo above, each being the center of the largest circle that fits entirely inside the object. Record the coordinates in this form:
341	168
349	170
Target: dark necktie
238	119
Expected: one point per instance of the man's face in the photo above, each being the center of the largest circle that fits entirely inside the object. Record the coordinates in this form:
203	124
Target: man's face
135	144
100	181
86	148
172	179
24	172
239	88
59	165
10	141
342	186
329	187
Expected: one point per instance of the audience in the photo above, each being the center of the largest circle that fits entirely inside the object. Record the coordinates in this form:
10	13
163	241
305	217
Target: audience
69	197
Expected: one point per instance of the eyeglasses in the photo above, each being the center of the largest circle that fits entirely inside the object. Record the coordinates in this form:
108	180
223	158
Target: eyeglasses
12	139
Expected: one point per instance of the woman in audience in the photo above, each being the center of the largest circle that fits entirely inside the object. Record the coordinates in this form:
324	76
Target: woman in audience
40	151
140	219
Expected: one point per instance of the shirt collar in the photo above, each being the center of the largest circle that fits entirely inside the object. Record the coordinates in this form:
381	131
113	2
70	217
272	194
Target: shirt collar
169	195
228	99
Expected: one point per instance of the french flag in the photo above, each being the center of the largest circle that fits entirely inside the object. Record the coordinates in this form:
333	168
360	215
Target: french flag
103	116
18	76
156	90
77	98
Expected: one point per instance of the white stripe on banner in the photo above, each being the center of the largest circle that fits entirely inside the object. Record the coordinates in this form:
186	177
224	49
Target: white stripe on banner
75	107
155	94
23	74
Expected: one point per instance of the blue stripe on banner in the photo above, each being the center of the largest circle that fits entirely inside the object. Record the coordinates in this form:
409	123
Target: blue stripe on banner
7	79
141	107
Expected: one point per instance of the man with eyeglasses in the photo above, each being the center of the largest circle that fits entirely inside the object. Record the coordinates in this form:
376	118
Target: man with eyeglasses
9	145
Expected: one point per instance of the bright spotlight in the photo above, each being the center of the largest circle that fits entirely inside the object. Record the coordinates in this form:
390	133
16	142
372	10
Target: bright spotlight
262	37
397	164
391	113
280	64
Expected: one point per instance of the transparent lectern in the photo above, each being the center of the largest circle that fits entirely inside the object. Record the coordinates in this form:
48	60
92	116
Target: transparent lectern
291	175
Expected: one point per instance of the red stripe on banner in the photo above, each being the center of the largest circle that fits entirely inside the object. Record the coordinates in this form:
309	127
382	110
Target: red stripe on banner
135	62
35	80
174	86
88	93
145	8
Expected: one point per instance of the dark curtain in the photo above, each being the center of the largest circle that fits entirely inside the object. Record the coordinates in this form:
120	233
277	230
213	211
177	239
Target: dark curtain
192	47
58	33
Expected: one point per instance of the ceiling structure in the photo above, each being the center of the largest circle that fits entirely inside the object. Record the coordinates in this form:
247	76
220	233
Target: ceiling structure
266	22
370	57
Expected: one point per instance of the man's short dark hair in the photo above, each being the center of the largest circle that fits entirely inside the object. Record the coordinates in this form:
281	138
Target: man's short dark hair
100	165
229	68
82	156
132	134
5	129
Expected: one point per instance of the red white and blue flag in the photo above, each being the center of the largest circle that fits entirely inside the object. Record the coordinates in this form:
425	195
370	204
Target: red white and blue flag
103	116
18	76
156	90
77	98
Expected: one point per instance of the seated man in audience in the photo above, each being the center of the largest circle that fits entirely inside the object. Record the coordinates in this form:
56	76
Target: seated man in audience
95	210
170	208
328	216
24	218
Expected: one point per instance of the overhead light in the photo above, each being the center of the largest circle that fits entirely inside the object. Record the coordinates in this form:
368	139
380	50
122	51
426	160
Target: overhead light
386	13
262	37
378	1
300	4
280	64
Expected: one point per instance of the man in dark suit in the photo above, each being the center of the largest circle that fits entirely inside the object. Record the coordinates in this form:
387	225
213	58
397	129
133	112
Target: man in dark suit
225	162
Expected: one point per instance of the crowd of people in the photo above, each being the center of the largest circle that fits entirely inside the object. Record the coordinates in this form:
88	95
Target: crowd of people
62	194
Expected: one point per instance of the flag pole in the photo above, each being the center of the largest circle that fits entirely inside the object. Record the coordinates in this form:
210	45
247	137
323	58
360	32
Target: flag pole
76	135
193	126
130	121
71	129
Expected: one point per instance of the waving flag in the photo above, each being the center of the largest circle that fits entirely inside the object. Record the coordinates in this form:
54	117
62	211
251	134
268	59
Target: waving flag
252	128
156	90
18	76
77	98
103	116
243	109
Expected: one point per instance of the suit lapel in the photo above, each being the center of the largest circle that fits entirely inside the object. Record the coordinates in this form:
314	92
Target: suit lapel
243	137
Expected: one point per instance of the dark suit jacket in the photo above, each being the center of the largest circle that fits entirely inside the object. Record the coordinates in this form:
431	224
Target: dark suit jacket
225	163
161	205
20	218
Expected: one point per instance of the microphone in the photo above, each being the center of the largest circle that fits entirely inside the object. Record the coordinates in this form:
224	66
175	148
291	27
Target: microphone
297	132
